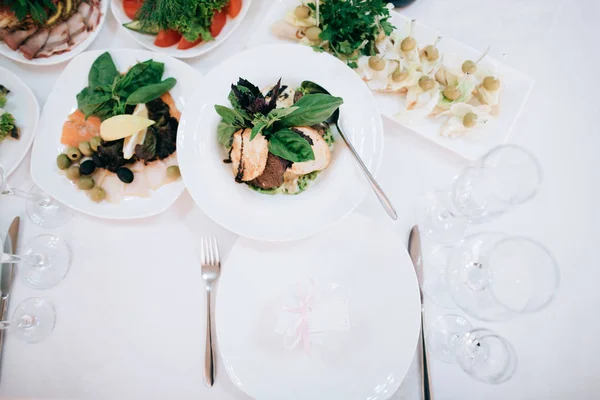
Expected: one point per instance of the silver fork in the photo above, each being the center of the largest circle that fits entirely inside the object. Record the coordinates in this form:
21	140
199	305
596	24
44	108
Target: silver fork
211	268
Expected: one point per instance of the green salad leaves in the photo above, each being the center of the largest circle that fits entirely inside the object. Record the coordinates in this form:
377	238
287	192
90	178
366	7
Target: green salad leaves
251	109
109	93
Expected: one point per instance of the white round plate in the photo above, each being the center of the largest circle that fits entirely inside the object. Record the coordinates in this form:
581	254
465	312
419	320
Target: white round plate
58	58
337	191
368	361
148	40
62	102
21	103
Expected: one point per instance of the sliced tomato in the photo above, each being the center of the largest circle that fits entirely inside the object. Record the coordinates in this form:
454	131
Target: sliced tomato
233	8
218	22
184	44
167	38
131	7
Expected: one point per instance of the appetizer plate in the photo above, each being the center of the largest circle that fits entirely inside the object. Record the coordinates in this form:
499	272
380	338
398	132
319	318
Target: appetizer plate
23	105
516	87
367	361
59	58
338	189
62	102
148	40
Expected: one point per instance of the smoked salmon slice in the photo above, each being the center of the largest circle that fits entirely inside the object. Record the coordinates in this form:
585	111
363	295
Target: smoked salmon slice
77	129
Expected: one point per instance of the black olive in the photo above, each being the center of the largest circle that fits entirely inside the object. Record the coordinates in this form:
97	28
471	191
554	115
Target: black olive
87	167
125	175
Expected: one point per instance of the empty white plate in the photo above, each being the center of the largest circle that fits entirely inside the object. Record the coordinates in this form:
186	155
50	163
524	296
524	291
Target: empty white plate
368	361
23	105
62	102
337	190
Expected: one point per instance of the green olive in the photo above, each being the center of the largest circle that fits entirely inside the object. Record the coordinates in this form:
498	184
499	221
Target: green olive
73	173
376	63
431	52
469	67
97	194
408	44
73	153
173	172
86	149
491	83
399	76
95	142
302	11
86	183
313	33
426	82
63	162
451	92
469	120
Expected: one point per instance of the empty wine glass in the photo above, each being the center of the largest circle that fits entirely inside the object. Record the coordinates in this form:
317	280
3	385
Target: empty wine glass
435	286
41	208
44	262
481	353
493	276
32	321
500	180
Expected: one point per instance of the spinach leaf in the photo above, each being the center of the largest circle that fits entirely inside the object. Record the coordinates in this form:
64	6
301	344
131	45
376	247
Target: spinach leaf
147	73
258	128
88	100
288	145
151	92
224	133
103	72
312	109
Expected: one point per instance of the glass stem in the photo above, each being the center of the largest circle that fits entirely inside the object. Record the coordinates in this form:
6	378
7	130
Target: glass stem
9	258
38	260
5	324
41	199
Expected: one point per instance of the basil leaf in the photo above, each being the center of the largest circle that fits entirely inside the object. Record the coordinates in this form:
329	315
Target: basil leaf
103	71
229	115
142	74
148	93
279	113
224	133
290	146
258	128
312	109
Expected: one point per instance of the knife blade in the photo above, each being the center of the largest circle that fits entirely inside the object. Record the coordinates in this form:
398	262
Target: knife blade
7	275
414	250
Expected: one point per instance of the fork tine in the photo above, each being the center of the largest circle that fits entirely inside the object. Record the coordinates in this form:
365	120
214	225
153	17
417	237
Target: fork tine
210	250
216	249
202	252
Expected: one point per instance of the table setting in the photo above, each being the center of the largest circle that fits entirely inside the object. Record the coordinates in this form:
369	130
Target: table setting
297	199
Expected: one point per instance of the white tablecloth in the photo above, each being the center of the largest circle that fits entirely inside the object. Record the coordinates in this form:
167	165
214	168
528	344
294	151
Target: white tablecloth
131	314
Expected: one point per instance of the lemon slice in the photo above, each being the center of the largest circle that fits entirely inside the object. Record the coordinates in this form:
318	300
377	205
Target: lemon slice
137	138
122	126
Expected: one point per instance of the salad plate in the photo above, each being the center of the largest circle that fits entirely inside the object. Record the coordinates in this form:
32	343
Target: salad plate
494	129
373	350
24	107
220	183
71	33
123	189
148	40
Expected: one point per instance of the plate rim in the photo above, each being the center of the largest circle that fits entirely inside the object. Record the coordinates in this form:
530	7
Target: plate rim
35	125
374	171
182	54
67	56
180	185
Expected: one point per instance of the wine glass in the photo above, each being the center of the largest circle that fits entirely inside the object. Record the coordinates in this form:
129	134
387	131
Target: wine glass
41	208
500	180
481	353
494	277
32	321
435	286
44	262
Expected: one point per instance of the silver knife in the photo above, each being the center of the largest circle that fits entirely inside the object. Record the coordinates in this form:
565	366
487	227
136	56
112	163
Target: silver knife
414	249
7	275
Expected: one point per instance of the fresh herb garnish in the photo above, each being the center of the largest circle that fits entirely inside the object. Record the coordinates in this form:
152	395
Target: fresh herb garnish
350	27
37	9
253	111
110	93
191	18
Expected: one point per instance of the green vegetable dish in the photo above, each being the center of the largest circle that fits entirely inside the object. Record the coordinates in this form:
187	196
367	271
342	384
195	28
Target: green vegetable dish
278	139
8	127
